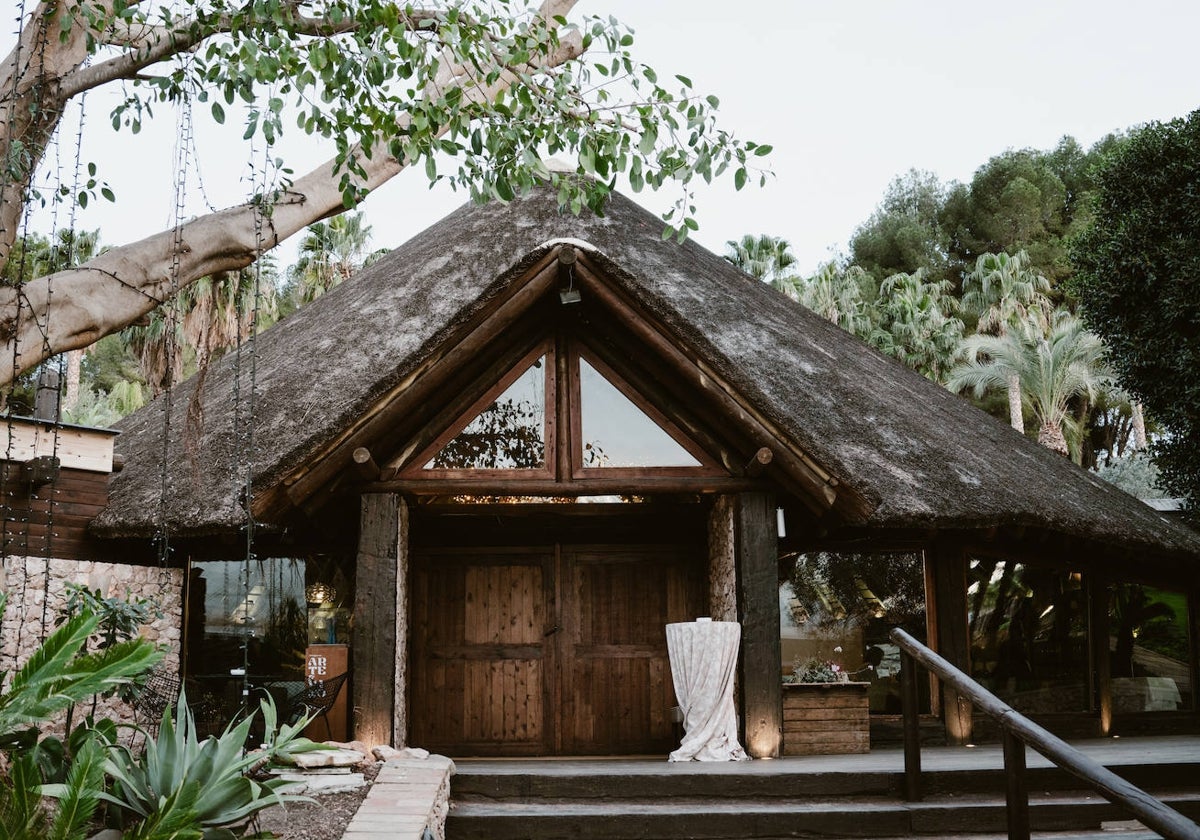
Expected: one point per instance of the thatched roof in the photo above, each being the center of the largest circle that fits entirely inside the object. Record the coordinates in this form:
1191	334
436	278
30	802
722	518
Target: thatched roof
921	456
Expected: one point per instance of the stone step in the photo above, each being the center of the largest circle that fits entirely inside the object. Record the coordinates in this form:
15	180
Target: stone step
745	818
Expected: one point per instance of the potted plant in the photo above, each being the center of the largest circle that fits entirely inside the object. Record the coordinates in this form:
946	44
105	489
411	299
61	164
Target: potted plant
825	710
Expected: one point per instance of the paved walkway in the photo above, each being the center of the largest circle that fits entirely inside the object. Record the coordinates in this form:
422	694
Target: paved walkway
409	799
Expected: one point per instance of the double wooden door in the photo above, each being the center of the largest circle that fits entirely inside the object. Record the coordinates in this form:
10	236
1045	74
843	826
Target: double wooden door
547	651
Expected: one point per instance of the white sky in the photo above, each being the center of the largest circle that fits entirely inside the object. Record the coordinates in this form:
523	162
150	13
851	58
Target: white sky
850	94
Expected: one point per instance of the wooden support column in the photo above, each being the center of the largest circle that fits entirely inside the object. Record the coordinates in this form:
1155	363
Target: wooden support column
1099	656
722	567
380	620
948	561
756	546
1193	603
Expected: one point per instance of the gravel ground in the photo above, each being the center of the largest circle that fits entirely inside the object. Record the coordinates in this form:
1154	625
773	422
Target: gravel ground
324	819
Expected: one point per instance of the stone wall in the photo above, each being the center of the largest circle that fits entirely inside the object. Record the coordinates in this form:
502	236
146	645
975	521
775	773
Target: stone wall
36	590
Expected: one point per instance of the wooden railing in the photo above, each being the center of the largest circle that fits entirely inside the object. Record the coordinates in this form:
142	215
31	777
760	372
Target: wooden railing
1019	731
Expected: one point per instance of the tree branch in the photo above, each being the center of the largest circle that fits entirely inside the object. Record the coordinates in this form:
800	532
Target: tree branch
77	307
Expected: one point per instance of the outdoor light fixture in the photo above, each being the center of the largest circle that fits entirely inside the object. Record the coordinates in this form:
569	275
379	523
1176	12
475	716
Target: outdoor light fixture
319	593
566	265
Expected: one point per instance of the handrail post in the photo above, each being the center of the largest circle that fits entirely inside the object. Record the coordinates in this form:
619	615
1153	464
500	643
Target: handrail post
912	726
1016	794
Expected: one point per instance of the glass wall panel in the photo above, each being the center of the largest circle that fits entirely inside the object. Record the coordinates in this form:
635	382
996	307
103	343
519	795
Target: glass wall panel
274	606
839	609
616	433
1148	637
509	434
1028	630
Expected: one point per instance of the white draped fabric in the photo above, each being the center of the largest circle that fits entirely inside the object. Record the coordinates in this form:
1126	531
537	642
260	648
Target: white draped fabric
703	660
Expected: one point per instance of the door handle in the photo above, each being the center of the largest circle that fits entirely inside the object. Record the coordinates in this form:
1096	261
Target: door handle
551	631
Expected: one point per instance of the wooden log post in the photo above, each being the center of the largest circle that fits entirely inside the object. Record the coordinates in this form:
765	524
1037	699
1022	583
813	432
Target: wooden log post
756	545
949	562
380	620
1193	602
1099	655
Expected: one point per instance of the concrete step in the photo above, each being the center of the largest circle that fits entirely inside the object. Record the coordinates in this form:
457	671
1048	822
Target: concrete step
705	818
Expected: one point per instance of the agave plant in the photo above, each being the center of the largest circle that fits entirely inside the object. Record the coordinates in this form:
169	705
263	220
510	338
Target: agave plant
182	787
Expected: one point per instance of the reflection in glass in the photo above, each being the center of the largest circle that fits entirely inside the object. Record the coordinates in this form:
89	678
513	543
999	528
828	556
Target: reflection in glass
507	435
851	601
616	433
1028	632
1148	638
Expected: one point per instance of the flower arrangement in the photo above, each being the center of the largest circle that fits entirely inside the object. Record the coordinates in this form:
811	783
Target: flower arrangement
814	670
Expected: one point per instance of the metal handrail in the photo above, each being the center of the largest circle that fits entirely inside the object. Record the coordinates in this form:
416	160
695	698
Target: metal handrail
1020	731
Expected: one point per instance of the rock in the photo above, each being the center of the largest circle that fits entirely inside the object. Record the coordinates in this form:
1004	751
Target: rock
318	785
385	753
329	758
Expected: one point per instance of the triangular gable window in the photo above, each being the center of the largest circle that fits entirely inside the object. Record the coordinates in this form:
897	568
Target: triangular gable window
610	430
506	431
617	433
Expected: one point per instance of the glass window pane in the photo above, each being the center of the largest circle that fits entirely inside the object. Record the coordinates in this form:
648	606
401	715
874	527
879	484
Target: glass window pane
1028	630
851	602
1148	637
510	434
616	433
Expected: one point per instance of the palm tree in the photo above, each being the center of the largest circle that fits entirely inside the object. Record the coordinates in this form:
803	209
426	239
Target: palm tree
330	252
766	258
1054	358
1000	291
838	295
916	323
210	316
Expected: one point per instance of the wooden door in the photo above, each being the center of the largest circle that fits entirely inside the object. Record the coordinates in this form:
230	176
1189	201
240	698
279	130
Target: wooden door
555	651
615	677
482	652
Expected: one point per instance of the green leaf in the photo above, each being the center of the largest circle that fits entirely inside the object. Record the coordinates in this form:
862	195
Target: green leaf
739	178
218	112
763	150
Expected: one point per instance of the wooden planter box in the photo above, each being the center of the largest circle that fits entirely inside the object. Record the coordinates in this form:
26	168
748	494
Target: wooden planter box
826	718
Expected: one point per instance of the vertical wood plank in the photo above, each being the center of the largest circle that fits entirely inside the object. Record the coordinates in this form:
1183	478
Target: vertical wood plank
756	544
948	560
378	595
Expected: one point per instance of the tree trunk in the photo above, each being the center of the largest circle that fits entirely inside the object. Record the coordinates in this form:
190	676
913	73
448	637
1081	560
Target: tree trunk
1139	426
71	391
1051	436
1014	403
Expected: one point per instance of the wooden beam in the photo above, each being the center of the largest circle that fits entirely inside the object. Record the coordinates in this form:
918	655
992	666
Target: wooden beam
813	485
948	563
758	463
758	596
380	609
629	484
364	464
